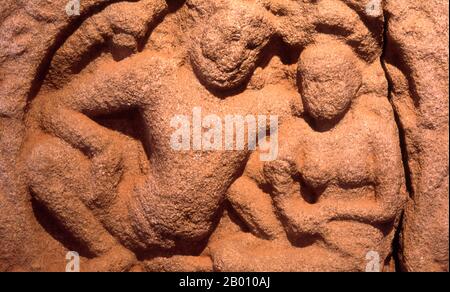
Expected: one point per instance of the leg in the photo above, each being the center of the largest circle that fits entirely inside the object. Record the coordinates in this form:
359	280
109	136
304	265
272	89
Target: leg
59	178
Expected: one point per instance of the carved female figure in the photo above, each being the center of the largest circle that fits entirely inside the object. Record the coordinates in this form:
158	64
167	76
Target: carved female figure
336	192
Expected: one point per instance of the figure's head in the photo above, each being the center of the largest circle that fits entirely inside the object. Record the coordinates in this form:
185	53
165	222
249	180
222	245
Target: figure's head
329	78
226	50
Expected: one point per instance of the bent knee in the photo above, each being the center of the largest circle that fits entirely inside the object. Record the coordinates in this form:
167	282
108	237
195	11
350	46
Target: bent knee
53	164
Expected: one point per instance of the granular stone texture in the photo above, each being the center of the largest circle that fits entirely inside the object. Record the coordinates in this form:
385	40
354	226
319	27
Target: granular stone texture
355	94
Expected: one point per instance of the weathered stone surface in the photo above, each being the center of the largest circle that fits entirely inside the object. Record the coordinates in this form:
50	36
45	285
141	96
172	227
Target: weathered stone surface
417	63
89	105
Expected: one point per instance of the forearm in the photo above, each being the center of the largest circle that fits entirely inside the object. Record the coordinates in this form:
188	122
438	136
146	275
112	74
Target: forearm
69	113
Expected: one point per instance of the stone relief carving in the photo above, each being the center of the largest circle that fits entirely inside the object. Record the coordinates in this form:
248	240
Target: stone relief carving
95	170
338	172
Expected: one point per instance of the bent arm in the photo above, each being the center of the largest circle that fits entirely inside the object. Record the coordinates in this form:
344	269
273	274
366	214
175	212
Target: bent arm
67	113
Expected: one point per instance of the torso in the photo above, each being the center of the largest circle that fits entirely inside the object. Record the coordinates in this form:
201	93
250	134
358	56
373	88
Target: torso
338	162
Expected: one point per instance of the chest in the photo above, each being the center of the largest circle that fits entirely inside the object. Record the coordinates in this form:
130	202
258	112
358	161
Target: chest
343	158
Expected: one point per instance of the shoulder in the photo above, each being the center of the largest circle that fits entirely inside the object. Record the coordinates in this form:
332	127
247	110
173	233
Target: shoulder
378	121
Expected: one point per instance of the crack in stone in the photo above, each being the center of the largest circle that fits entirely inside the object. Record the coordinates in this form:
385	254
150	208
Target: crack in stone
400	128
396	244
